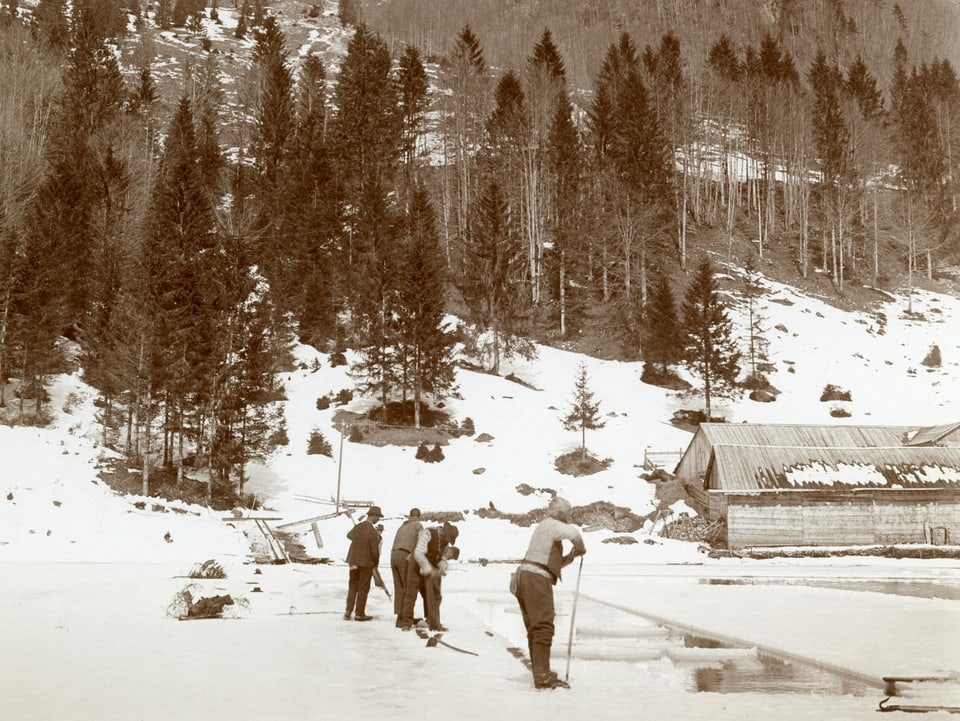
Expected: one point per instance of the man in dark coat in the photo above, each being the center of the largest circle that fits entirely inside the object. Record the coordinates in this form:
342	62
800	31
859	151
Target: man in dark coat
403	545
363	557
426	567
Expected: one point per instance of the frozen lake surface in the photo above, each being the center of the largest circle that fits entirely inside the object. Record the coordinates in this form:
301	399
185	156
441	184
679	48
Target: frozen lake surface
95	641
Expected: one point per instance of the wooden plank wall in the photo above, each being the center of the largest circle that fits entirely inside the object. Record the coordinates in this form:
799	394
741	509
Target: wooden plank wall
866	520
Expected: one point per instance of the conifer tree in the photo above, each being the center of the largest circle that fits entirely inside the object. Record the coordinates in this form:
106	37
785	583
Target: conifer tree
412	82
465	76
663	339
275	106
179	283
584	413
316	234
566	169
710	351
372	278
758	344
491	284
366	129
427	349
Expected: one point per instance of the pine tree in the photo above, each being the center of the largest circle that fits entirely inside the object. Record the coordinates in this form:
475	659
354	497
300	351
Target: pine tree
465	77
723	60
413	85
566	169
710	351
584	413
275	106
372	286
179	281
366	129
663	341
491	284
311	249
427	354
758	344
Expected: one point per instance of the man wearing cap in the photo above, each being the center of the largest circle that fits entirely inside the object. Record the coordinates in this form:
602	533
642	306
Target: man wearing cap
536	576
362	557
427	566
403	545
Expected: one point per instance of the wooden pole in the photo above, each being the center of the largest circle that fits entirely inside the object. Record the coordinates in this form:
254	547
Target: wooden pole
339	468
573	617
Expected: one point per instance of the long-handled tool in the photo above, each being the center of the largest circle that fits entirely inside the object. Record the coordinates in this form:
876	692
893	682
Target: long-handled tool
573	618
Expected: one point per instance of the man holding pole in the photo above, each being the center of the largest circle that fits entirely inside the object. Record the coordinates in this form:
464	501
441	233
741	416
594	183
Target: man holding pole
535	578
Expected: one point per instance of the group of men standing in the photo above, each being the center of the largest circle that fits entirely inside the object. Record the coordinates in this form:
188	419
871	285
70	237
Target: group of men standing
418	560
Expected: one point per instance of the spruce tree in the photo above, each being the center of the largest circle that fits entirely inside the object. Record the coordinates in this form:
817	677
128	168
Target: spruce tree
316	233
710	351
465	104
566	171
412	90
427	349
366	128
758	345
663	341
584	413
491	285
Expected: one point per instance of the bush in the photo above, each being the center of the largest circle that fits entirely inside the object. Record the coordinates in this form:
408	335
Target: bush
356	435
431	455
344	396
838	412
933	359
755	382
279	437
337	359
208	569
323	402
318	445
833	393
467	426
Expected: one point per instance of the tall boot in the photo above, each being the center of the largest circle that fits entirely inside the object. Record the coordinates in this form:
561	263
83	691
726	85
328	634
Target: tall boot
543	677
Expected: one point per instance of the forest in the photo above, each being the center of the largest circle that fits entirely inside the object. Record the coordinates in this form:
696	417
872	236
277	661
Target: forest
182	234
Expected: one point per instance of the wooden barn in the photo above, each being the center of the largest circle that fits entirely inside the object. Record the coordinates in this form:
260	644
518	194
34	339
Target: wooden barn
806	485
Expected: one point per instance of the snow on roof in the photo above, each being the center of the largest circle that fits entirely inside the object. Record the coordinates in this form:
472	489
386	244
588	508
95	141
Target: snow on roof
931	434
751	468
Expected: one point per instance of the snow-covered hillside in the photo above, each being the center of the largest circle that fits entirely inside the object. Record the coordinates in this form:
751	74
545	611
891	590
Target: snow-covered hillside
53	507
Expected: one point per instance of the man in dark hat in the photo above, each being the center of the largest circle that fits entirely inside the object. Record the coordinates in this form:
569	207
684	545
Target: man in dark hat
363	557
403	544
427	566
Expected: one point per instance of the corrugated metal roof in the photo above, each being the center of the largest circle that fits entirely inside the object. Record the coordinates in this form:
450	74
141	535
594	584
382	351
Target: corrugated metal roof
762	467
820	436
931	434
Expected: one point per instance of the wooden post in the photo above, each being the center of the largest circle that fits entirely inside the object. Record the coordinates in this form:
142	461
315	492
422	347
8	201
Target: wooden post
339	468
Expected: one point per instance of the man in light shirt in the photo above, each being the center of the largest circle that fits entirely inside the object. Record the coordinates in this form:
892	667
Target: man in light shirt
427	566
536	576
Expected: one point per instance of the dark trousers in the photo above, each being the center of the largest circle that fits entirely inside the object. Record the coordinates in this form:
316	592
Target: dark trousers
431	604
414	584
398	565
358	589
535	594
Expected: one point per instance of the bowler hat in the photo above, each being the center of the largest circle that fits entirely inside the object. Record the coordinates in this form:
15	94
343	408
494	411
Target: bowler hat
374	511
